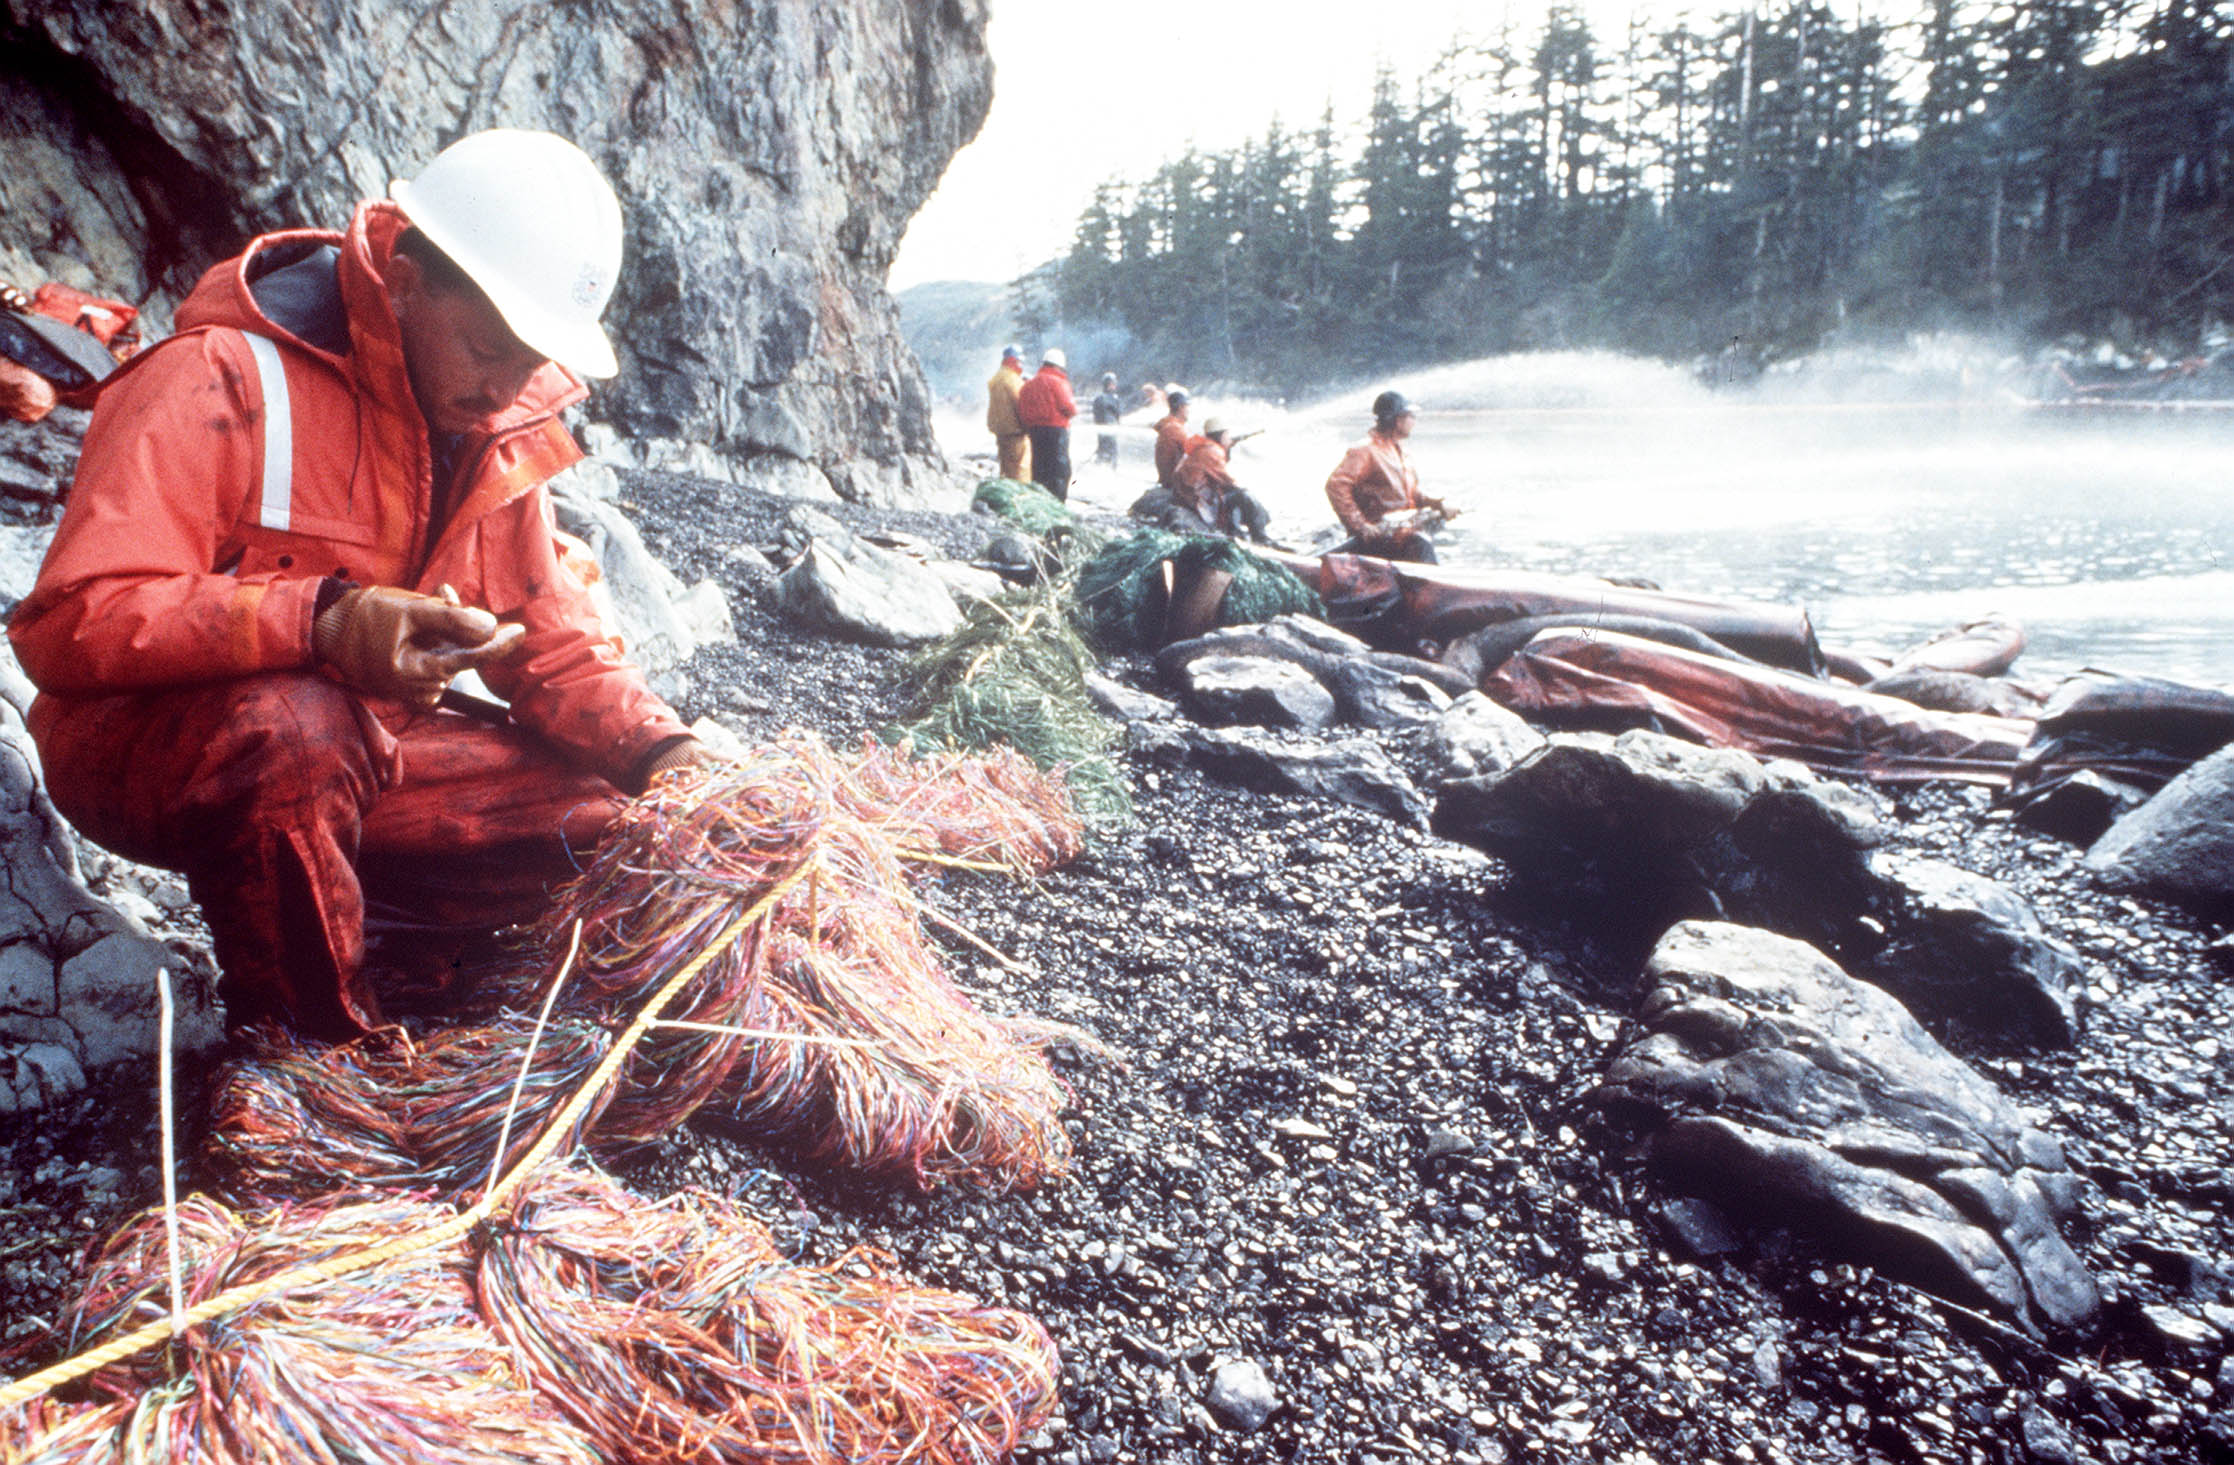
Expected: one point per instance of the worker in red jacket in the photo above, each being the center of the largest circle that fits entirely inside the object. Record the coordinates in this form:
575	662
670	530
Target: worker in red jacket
293	522
1376	492
1046	408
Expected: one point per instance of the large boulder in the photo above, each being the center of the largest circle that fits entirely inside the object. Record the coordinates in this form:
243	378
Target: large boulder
1369	688
1352	770
1770	1082
843	584
2180	844
78	976
1256	690
1476	735
768	157
1663	829
1962	946
659	621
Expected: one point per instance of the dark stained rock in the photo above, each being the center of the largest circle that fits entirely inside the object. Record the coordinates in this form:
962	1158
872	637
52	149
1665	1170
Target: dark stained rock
1476	735
1673	829
1353	771
1256	690
2178	845
768	158
1774	1084
1964	946
2081	807
1370	688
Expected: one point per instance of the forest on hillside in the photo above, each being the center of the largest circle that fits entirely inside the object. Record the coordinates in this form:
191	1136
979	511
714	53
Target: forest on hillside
2034	168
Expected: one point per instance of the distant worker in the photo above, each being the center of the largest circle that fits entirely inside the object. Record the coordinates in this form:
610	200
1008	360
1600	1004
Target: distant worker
1044	403
1108	408
1171	438
1376	494
1001	418
1205	488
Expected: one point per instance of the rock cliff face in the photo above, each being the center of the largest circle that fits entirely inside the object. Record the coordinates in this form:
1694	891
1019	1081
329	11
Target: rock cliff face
769	154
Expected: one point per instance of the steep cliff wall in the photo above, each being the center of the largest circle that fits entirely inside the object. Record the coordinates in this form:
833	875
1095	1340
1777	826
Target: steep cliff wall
769	156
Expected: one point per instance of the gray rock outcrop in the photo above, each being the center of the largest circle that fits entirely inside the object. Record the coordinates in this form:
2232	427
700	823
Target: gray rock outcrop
1256	690
843	584
2180	844
78	985
1352	770
1778	1087
1964	946
1475	736
659	621
768	157
1370	688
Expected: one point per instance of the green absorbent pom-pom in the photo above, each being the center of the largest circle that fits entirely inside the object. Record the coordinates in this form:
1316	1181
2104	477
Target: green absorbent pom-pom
1026	505
1121	593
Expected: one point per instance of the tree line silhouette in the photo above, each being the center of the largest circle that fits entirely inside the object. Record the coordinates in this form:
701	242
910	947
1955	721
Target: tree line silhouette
2034	167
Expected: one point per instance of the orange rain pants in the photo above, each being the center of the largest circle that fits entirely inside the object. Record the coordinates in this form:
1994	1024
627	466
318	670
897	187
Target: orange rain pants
1016	456
290	807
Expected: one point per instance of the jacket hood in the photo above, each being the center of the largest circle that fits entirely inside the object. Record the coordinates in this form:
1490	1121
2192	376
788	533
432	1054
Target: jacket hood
225	296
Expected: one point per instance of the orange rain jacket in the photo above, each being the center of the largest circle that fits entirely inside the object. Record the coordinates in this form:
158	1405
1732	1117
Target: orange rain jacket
1171	447
1203	478
1373	480
177	563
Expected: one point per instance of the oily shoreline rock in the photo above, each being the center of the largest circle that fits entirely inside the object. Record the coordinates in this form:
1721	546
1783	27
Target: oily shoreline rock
2178	845
1778	1086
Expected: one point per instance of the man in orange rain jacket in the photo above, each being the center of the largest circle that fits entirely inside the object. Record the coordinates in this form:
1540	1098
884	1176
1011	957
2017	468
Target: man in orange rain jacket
293	522
1376	494
1009	438
1171	438
1205	488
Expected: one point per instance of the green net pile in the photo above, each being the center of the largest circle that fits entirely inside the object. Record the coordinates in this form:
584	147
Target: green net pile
1026	505
1120	591
1015	673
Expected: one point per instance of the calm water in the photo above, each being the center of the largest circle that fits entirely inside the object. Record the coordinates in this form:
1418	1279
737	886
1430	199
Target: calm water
2112	541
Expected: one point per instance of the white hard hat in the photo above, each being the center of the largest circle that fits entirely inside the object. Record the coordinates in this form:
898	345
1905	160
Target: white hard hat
1053	356
530	219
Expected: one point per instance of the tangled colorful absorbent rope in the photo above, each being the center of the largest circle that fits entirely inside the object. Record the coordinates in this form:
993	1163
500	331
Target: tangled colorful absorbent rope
827	1025
594	1327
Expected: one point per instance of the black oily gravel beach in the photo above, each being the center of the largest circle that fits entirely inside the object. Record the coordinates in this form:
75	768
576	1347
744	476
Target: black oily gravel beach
1346	1143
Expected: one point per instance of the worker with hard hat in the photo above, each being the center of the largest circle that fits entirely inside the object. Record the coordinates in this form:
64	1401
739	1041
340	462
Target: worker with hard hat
1376	493
1001	420
1171	437
1046	407
1205	488
293	522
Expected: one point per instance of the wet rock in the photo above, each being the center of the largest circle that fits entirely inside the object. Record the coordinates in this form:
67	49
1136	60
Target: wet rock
660	622
1370	688
1476	736
1773	1083
1255	690
1442	1142
1667	829
847	586
77	976
1241	1397
2079	808
1128	704
1963	945
1699	1225
1353	771
2178	845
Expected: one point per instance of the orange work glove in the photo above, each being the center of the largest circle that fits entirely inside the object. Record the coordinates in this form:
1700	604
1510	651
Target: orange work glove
401	644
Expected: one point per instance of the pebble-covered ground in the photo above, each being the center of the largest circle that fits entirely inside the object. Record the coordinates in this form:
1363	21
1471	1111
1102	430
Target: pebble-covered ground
1348	1148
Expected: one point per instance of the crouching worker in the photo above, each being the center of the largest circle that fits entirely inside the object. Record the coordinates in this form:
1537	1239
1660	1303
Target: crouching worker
293	522
1205	489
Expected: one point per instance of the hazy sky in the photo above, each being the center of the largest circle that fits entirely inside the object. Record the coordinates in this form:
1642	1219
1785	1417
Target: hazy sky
1084	93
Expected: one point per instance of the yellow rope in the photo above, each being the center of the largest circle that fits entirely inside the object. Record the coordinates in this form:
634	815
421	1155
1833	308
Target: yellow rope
31	1386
